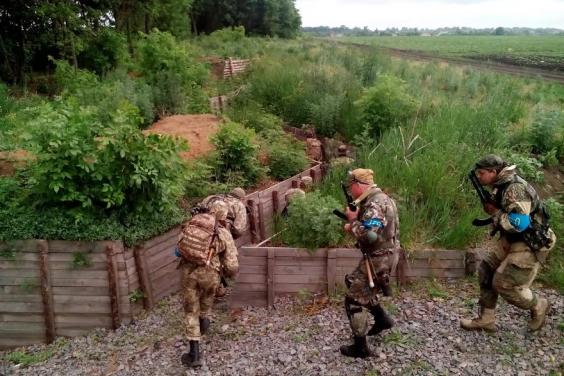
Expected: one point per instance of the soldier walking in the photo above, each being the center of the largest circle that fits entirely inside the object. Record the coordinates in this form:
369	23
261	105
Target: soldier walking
375	225
207	250
525	240
237	211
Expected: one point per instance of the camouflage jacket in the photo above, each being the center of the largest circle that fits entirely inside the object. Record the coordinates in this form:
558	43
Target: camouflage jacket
224	260
236	216
514	195
380	206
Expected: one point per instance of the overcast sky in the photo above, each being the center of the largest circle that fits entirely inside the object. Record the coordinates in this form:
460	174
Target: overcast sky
382	14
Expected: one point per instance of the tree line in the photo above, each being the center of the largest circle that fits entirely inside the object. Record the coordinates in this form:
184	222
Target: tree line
90	33
413	31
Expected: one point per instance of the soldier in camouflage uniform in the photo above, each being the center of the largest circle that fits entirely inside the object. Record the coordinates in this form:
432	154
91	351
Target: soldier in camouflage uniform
199	284
511	268
237	215
375	225
342	159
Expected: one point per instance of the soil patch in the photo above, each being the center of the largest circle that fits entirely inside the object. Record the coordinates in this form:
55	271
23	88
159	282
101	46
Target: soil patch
196	129
12	160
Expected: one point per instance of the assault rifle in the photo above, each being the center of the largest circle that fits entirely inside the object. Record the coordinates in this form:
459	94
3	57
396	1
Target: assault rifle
350	203
485	198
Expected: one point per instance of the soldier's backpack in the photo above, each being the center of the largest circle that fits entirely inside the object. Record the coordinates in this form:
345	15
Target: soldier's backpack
196	239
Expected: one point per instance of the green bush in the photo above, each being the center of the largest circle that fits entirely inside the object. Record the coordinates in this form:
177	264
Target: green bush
553	272
103	51
547	133
174	73
237	154
84	163
311	223
386	105
286	156
527	167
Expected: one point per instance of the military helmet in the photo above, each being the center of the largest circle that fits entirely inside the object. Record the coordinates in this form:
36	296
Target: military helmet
491	162
238	192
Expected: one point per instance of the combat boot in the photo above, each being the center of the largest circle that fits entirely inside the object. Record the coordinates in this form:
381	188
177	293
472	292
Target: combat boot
538	314
381	320
357	350
204	325
192	359
485	321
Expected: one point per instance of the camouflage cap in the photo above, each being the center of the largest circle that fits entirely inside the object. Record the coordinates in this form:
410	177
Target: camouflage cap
491	161
362	175
219	209
238	192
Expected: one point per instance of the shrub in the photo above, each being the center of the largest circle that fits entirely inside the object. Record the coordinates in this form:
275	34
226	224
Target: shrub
286	157
529	168
311	223
547	133
237	154
103	51
553	273
386	105
173	72
84	163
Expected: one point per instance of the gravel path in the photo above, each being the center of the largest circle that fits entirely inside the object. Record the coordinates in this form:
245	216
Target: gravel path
302	337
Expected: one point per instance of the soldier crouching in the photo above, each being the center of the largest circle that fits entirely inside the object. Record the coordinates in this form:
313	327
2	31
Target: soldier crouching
375	225
199	282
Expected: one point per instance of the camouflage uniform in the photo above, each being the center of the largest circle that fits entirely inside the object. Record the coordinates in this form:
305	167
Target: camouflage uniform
360	298
512	267
237	214
200	282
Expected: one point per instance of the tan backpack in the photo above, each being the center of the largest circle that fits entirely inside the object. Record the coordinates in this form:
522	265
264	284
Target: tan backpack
196	239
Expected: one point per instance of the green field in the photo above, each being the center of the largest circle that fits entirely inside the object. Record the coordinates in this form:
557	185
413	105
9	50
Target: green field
540	51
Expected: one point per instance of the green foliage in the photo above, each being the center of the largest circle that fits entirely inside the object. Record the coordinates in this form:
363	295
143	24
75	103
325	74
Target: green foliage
286	156
528	167
80	260
173	72
311	223
237	154
104	50
553	273
386	105
83	163
136	296
547	133
26	359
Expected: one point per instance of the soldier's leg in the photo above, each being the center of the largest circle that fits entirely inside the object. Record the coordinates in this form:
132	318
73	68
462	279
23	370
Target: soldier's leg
487	301
514	284
356	301
382	267
191	304
208	290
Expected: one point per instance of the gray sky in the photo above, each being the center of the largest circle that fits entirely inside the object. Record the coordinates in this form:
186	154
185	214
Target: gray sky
382	14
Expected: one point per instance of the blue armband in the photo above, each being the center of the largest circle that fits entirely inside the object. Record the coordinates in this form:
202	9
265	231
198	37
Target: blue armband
177	252
370	223
520	222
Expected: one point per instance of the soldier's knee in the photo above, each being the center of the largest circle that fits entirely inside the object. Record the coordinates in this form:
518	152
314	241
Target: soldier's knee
485	274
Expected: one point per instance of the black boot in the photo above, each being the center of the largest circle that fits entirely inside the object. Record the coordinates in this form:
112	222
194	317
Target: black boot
381	320
357	350
204	325
192	358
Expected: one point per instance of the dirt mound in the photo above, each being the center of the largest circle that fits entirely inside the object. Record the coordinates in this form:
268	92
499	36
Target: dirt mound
196	129
12	160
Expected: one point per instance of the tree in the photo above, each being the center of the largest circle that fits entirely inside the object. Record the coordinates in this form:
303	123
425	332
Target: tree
499	31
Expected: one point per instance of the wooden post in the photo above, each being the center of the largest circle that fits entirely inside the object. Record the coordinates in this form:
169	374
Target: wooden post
230	67
220	102
46	291
252	223
312	174
275	202
114	288
262	228
294	184
331	271
144	280
270	277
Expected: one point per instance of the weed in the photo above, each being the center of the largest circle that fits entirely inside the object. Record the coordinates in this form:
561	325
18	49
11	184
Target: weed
391	308
136	295
395	337
81	260
29	285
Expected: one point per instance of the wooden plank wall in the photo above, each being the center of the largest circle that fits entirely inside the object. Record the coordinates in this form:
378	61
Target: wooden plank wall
234	67
266	272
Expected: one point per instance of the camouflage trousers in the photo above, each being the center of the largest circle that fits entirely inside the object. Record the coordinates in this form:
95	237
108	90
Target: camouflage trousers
508	271
360	297
198	288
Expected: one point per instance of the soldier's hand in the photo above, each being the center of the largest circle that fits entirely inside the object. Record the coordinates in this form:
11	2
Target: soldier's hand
347	227
351	215
490	208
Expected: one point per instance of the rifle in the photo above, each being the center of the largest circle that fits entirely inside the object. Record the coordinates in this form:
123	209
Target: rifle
350	203
343	216
485	198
